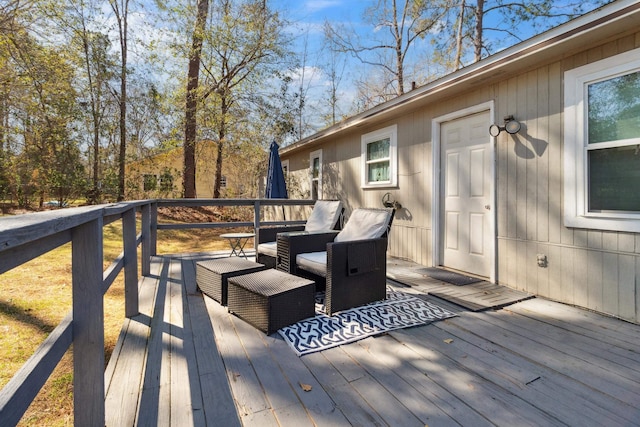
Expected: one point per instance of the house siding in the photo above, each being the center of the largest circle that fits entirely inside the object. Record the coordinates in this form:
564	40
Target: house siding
590	268
598	270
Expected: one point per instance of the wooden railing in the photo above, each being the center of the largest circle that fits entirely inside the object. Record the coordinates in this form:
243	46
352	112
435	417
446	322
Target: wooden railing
25	237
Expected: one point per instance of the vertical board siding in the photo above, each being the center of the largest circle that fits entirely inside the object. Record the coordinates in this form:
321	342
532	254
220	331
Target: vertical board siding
554	154
530	156
521	160
626	279
594	269
540	143
410	243
610	281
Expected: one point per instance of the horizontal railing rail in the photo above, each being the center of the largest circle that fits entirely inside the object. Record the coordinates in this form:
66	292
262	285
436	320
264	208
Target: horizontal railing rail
26	237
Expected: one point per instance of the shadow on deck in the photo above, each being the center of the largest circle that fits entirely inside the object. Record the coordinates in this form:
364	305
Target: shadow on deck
185	361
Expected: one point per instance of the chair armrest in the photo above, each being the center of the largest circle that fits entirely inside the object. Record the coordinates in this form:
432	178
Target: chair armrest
356	257
292	244
269	234
356	273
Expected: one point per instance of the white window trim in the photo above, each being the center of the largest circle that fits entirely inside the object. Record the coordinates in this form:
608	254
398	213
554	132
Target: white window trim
313	155
390	132
576	212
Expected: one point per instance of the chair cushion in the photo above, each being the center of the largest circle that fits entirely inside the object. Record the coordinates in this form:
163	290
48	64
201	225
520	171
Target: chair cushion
365	224
315	262
268	248
324	216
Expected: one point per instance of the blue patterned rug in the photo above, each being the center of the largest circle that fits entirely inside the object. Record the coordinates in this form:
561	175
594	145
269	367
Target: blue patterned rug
399	310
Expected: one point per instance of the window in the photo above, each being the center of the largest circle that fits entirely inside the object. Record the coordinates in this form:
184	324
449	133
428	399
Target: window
166	181
602	144
223	181
379	158
150	182
315	171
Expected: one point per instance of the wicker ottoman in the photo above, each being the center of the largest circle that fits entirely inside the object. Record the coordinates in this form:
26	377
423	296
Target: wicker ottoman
271	299
212	275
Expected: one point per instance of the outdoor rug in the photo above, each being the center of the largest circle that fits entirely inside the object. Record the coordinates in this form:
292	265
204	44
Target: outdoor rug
448	276
399	310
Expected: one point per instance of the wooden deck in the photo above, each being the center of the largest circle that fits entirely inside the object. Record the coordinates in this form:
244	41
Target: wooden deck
185	361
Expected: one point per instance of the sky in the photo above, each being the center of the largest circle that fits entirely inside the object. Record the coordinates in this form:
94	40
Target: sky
308	16
307	20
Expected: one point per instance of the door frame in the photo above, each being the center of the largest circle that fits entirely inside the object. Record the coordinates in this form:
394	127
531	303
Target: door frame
436	201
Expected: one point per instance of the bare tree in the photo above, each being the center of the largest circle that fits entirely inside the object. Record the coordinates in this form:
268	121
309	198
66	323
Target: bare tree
398	25
121	11
471	23
240	48
335	69
191	108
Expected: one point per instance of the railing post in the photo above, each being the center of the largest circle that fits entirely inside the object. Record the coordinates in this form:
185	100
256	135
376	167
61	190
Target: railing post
146	239
88	324
153	231
256	221
130	263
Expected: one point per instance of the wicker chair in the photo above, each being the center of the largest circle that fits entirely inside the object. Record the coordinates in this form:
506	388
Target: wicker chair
354	264
326	215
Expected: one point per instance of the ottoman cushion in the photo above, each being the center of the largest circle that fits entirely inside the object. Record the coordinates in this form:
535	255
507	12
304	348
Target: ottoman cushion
271	299
212	275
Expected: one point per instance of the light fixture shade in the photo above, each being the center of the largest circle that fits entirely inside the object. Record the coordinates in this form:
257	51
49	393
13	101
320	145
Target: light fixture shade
512	126
494	130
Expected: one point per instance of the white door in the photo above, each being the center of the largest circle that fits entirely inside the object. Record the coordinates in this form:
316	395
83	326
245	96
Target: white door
466	180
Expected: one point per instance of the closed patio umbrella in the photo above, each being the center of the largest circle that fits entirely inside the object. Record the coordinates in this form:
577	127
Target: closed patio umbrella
276	187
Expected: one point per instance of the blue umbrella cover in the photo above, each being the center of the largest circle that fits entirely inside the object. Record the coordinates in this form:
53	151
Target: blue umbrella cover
276	187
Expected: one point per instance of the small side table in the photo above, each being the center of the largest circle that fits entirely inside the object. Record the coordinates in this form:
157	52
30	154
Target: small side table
237	242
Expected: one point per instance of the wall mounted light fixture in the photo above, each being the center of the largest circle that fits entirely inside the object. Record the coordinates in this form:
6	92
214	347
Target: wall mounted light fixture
511	125
388	203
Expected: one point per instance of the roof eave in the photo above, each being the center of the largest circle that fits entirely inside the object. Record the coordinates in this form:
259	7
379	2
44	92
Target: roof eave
557	39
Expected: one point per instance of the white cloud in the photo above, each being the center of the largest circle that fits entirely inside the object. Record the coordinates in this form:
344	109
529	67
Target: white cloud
314	6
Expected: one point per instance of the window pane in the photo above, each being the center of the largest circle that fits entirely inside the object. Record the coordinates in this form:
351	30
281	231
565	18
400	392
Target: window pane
166	182
150	182
614	109
315	170
378	149
614	179
378	172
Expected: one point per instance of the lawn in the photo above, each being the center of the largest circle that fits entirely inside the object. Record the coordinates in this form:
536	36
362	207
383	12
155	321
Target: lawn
36	296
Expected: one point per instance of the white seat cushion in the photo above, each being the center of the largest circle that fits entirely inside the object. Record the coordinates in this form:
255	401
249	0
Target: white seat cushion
315	262
268	248
324	215
365	224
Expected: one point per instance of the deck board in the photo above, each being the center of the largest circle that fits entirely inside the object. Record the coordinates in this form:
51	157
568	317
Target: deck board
517	354
217	403
317	402
184	360
516	377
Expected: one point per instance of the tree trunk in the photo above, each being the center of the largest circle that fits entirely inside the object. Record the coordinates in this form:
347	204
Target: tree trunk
95	193
121	10
222	133
399	60
189	171
123	104
457	61
123	133
477	39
